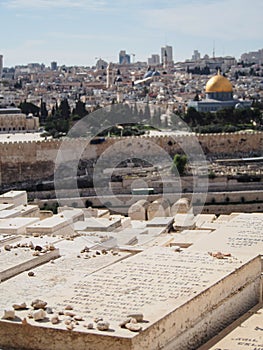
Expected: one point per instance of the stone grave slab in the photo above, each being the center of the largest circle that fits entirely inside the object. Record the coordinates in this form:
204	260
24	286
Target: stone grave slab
243	233
56	224
170	289
97	224
16	225
160	222
18	260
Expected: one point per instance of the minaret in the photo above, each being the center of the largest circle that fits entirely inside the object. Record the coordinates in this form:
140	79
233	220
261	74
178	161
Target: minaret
109	82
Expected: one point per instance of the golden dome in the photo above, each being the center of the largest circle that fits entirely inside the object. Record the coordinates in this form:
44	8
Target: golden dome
218	83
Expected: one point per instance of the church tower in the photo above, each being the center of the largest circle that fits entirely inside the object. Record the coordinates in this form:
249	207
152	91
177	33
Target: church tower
109	81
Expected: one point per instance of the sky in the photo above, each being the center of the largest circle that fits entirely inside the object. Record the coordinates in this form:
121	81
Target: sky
77	32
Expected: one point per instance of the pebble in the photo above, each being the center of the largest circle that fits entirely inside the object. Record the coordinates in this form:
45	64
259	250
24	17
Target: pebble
69	313
39	315
97	319
133	320
103	326
134	327
78	318
21	306
36	253
54	319
30	314
38	304
49	310
69	307
85	250
70	326
9	315
124	322
7	247
31	273
89	325
38	248
138	316
67	322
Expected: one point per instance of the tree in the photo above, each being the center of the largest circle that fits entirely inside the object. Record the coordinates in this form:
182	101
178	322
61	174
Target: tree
64	109
179	164
43	111
80	109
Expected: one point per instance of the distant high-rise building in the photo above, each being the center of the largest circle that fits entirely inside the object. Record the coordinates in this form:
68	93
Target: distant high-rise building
154	60
253	57
167	54
124	58
1	66
54	65
196	55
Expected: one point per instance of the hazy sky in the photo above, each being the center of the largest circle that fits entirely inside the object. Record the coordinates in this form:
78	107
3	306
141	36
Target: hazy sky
76	32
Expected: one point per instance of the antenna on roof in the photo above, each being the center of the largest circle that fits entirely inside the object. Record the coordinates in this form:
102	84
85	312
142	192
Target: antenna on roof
213	48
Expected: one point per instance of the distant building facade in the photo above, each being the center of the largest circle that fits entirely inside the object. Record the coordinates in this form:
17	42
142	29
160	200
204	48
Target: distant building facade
154	60
12	121
253	57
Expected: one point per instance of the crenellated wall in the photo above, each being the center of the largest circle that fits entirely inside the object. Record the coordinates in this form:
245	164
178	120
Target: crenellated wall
26	161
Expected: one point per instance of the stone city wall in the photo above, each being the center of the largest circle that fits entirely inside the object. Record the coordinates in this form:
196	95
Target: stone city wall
26	161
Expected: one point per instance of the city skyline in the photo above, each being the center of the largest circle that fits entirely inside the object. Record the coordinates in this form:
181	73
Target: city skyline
80	32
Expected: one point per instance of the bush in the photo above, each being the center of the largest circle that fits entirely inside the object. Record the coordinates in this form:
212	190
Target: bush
179	164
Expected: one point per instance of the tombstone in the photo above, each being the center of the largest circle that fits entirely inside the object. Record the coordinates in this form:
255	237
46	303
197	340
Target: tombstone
138	210
159	208
183	222
182	206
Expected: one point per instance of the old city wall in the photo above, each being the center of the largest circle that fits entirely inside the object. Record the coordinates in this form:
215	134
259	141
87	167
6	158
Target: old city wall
28	161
